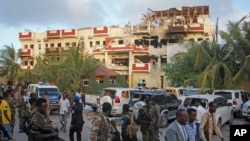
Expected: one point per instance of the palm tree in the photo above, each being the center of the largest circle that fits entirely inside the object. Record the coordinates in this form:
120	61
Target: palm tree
75	64
9	63
237	38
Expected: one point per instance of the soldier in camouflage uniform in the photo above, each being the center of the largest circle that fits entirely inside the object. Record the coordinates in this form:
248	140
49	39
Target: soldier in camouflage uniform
12	103
101	126
155	114
27	118
21	105
41	128
146	121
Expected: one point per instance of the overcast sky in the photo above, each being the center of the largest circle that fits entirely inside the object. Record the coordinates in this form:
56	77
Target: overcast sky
41	15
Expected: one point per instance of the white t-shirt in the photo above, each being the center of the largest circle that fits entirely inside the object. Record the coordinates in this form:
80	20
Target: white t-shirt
64	106
200	111
79	95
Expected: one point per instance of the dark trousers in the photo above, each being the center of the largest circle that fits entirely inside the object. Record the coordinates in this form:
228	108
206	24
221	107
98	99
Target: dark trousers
198	132
78	131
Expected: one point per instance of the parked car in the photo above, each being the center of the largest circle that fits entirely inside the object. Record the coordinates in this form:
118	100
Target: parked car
53	93
246	110
236	97
223	113
178	92
168	102
116	96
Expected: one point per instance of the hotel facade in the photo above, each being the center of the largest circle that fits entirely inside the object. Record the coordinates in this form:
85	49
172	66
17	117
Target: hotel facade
135	51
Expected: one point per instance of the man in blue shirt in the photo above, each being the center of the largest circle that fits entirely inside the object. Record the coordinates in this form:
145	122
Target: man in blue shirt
190	125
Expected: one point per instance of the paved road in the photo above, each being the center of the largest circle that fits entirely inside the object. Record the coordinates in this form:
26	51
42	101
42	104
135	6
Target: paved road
87	125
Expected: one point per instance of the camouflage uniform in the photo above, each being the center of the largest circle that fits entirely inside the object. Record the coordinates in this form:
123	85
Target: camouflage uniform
21	105
101	128
41	125
27	120
12	101
147	129
155	114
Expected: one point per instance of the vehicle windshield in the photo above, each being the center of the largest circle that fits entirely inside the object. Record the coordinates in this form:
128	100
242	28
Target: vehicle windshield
227	95
204	102
191	92
51	91
141	97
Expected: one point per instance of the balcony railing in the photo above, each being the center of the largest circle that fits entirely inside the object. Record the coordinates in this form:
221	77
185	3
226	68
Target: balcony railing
141	67
26	53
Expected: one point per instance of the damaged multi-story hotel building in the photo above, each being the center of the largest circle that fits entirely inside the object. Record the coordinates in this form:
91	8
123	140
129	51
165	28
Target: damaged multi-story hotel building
136	51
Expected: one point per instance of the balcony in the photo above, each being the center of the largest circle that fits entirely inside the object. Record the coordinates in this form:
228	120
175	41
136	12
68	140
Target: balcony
54	34
117	67
141	67
122	48
54	50
99	31
26	53
137	29
26	36
195	27
69	33
177	29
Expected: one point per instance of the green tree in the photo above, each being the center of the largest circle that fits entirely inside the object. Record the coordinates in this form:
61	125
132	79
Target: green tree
74	65
9	63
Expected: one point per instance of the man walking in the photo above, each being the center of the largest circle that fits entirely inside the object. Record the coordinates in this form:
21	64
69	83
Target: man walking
146	121
64	110
191	126
76	120
209	124
176	130
200	111
5	114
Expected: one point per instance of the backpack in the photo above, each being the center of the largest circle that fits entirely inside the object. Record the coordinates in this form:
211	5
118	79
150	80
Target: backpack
132	128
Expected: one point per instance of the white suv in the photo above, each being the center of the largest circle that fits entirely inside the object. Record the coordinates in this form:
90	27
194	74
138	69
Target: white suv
236	97
223	112
116	96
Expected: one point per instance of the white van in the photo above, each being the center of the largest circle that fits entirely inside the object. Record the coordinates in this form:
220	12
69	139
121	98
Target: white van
53	92
31	88
116	96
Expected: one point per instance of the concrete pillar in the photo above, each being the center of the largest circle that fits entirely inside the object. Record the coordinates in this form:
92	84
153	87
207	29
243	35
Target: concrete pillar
130	73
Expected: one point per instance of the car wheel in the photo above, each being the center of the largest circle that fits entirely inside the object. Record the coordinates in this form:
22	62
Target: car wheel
231	118
165	122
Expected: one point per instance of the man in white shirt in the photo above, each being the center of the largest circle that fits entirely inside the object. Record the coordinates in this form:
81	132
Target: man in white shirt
200	111
184	105
64	111
79	94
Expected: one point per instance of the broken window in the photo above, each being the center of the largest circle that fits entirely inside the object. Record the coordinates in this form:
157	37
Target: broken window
120	42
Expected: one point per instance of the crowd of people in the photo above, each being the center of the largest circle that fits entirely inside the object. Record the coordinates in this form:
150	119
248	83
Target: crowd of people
191	124
34	114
